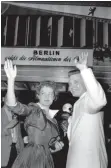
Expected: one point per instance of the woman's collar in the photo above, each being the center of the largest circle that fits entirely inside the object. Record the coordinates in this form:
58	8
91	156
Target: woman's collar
51	112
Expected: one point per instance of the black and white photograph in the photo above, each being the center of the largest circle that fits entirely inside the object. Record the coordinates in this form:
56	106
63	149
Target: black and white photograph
55	84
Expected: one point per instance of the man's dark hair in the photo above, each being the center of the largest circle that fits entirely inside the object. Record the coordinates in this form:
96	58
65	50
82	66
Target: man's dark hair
74	71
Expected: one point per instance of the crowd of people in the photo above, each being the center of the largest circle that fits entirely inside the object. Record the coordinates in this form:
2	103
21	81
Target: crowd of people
72	136
100	52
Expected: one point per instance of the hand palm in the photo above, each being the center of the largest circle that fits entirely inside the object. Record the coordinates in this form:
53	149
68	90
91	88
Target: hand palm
82	60
10	71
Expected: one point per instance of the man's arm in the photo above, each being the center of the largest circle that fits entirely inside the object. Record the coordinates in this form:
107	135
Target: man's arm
96	96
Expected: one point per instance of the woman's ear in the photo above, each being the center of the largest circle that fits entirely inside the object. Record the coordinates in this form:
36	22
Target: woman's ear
55	97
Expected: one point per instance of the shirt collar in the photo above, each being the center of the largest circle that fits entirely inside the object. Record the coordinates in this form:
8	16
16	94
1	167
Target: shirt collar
82	95
51	112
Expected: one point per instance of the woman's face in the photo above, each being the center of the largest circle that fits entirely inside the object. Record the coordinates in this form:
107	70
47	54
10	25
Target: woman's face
46	96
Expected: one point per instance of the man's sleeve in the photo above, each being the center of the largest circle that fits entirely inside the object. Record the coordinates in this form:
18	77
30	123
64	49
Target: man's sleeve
96	95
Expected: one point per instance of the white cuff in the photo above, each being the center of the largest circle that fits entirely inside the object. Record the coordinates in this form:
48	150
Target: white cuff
11	105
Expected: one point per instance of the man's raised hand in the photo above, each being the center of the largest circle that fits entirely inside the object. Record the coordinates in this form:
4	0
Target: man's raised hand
81	61
10	70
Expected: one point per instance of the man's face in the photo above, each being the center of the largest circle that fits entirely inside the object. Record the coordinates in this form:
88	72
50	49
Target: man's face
46	96
76	85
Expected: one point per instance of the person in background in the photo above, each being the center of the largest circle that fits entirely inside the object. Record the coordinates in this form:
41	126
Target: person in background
85	130
41	128
109	147
2	101
11	138
62	117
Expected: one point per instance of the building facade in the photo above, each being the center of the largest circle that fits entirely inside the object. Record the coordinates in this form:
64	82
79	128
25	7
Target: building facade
45	29
54	30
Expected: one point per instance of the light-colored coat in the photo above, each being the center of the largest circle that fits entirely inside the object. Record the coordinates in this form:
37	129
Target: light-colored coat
85	131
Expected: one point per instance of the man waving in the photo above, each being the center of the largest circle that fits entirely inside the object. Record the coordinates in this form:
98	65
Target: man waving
85	131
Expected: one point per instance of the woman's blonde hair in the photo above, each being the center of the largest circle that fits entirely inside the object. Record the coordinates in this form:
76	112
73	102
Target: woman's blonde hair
50	84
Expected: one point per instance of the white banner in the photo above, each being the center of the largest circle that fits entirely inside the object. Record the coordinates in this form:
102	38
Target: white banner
44	56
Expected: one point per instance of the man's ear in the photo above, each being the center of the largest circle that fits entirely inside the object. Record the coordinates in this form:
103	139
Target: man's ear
37	96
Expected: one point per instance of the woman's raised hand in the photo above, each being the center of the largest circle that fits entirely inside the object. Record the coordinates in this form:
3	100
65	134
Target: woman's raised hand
10	70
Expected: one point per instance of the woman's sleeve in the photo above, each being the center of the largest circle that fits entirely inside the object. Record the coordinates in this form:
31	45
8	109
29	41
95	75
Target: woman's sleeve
36	119
19	108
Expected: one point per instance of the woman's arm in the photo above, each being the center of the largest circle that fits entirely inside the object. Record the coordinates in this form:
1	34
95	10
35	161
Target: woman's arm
11	72
10	102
